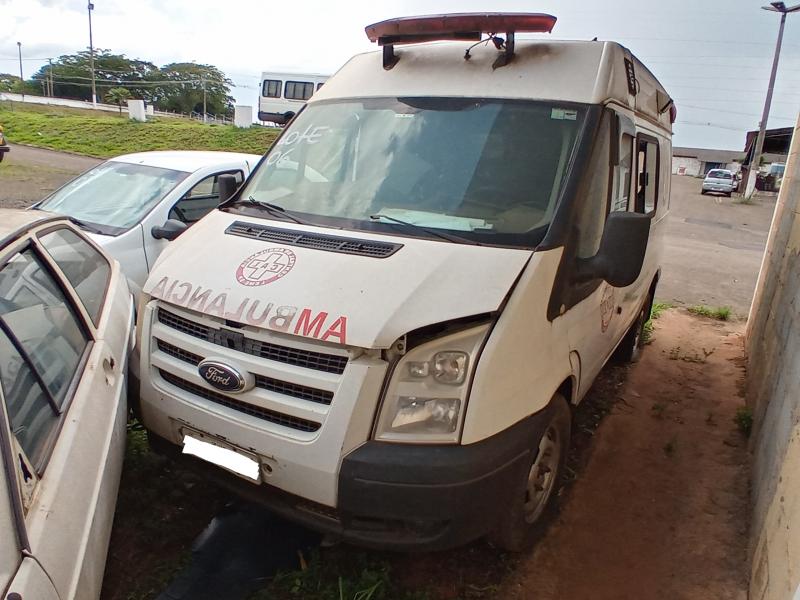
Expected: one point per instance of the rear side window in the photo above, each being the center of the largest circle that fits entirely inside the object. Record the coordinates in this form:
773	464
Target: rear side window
86	269
33	418
271	88
647	162
39	320
298	90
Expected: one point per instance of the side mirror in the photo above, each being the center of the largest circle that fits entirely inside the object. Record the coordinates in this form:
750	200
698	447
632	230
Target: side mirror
622	250
169	230
226	186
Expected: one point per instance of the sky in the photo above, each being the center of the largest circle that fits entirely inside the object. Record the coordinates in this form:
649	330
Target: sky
713	57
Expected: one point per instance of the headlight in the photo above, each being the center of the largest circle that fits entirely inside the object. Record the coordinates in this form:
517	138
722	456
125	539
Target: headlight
425	399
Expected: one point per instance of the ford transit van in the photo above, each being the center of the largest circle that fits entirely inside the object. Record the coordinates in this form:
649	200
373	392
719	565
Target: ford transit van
382	334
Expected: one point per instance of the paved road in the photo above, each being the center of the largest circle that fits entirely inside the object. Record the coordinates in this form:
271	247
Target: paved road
713	245
713	248
29	174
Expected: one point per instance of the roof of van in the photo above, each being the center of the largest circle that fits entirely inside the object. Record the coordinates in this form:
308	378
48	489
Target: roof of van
567	71
187	160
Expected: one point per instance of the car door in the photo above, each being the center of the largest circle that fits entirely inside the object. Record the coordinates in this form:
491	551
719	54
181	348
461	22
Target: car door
20	573
65	326
200	199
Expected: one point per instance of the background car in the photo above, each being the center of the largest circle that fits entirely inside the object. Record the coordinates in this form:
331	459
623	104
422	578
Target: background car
66	329
3	144
125	202
719	180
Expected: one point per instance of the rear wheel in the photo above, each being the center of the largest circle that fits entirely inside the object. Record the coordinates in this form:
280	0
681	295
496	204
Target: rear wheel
532	505
630	348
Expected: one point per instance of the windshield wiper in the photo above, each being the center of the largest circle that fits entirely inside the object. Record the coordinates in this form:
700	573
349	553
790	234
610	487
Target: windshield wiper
90	227
429	230
274	209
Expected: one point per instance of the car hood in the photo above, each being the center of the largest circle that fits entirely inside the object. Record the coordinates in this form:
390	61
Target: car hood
335	297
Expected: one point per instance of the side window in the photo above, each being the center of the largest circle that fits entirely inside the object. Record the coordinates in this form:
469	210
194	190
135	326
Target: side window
33	418
38	319
622	174
594	194
298	90
319	85
647	175
201	199
86	269
271	88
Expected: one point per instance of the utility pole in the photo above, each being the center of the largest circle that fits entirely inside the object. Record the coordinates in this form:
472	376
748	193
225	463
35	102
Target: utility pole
50	77
91	56
21	78
755	161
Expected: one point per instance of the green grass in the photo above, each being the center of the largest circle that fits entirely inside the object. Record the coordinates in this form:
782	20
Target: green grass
658	308
338	574
103	134
721	313
744	420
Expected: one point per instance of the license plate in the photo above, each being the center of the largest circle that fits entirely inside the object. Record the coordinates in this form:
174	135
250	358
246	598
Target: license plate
223	456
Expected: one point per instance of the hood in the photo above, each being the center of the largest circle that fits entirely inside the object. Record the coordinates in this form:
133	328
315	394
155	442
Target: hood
340	298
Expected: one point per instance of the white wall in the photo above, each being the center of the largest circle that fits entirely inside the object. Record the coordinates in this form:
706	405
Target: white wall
773	390
690	166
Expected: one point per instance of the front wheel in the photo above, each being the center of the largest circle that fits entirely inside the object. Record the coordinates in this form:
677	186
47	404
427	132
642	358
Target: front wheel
532	505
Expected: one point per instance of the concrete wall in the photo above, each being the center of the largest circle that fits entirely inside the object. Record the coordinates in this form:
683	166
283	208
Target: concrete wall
773	391
684	165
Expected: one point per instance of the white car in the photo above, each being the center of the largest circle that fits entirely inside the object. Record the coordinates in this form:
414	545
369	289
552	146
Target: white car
125	202
721	181
66	329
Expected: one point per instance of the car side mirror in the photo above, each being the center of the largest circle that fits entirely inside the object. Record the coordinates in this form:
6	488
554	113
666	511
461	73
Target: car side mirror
226	185
169	230
622	250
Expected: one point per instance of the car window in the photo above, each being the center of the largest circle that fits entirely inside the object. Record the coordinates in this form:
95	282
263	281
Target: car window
647	175
114	196
298	90
201	199
86	269
33	418
271	88
38	317
592	215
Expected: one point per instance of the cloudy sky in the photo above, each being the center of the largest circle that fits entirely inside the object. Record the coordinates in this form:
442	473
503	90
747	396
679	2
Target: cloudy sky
713	57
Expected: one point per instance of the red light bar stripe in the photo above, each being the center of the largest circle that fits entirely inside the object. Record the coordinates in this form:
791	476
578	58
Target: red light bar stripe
447	26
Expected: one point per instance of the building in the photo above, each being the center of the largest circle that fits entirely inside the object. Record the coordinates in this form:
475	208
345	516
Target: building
696	162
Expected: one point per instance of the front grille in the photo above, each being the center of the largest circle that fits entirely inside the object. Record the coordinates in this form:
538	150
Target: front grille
268	383
316	241
249	409
318	361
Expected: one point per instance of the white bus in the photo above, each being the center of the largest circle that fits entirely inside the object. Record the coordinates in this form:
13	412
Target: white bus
283	94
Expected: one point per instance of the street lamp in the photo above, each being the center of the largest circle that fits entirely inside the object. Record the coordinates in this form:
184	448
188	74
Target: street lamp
21	79
91	56
778	7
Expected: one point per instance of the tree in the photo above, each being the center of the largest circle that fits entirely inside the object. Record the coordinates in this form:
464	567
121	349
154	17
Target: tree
8	82
118	96
186	93
72	74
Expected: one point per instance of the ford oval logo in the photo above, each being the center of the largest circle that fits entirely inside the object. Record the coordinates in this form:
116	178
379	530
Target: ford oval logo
224	377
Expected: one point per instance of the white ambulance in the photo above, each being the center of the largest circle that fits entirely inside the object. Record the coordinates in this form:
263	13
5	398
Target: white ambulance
382	334
284	94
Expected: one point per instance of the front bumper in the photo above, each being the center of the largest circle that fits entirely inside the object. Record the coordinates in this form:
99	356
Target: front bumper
401	496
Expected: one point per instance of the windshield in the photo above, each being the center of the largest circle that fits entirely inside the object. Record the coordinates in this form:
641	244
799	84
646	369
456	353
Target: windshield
490	171
114	196
720	175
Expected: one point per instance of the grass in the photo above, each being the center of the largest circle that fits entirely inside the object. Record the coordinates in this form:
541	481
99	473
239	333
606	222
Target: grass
338	574
744	420
721	313
658	308
103	135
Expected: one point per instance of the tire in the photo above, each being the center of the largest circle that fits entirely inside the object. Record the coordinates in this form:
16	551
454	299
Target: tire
702	192
729	194
533	506
630	349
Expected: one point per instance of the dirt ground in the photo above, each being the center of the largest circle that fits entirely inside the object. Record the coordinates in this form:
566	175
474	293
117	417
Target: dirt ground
29	174
660	510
